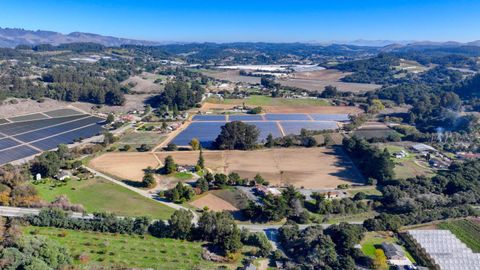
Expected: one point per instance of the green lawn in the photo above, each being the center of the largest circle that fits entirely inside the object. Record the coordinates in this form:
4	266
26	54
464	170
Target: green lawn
183	175
467	231
334	219
371	191
373	240
256	100
102	195
132	251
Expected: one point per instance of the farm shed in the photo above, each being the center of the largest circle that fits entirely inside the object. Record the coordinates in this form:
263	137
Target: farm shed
395	254
423	148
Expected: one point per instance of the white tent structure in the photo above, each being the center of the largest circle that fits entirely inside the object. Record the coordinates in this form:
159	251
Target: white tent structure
446	250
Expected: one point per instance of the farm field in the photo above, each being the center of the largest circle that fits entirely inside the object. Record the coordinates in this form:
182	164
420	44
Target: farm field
319	86
98	195
213	203
231	75
468	231
134	138
256	100
374	130
280	105
131	251
125	166
318	79
308	168
308	80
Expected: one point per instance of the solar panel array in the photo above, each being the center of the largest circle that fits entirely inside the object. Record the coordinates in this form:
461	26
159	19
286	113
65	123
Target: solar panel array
207	127
24	136
446	250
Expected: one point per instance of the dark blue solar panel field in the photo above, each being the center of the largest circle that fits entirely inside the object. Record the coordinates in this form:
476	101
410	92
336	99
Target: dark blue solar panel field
24	136
207	127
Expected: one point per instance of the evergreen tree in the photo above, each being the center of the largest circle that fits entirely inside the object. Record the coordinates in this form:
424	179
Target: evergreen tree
170	166
270	142
201	160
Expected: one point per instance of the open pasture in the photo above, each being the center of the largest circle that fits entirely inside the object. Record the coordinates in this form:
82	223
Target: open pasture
307	167
125	166
302	167
280	105
100	195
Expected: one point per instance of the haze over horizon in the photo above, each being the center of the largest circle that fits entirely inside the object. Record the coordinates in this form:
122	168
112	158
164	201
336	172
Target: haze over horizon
265	21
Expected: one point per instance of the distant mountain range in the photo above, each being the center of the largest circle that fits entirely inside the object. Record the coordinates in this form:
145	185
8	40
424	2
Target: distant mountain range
11	37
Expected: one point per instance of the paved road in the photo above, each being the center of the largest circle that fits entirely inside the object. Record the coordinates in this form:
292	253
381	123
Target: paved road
8	211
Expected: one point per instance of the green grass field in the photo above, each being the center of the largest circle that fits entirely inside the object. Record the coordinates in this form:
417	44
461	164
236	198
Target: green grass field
183	175
467	231
102	195
133	251
371	191
269	101
137	138
373	240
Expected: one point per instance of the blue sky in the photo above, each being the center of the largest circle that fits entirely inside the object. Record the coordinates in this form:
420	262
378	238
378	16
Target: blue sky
231	20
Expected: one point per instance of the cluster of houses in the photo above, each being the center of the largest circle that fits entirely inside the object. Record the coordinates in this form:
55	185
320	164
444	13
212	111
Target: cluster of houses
434	157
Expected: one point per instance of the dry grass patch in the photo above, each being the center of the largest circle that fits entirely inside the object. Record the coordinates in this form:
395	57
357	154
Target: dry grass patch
126	166
213	203
301	167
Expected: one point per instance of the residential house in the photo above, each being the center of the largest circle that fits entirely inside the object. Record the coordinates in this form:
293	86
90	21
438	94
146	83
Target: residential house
395	255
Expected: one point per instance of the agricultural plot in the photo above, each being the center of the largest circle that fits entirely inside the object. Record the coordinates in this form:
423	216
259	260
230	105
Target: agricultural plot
302	167
138	138
121	251
125	166
468	231
30	135
213	203
207	127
